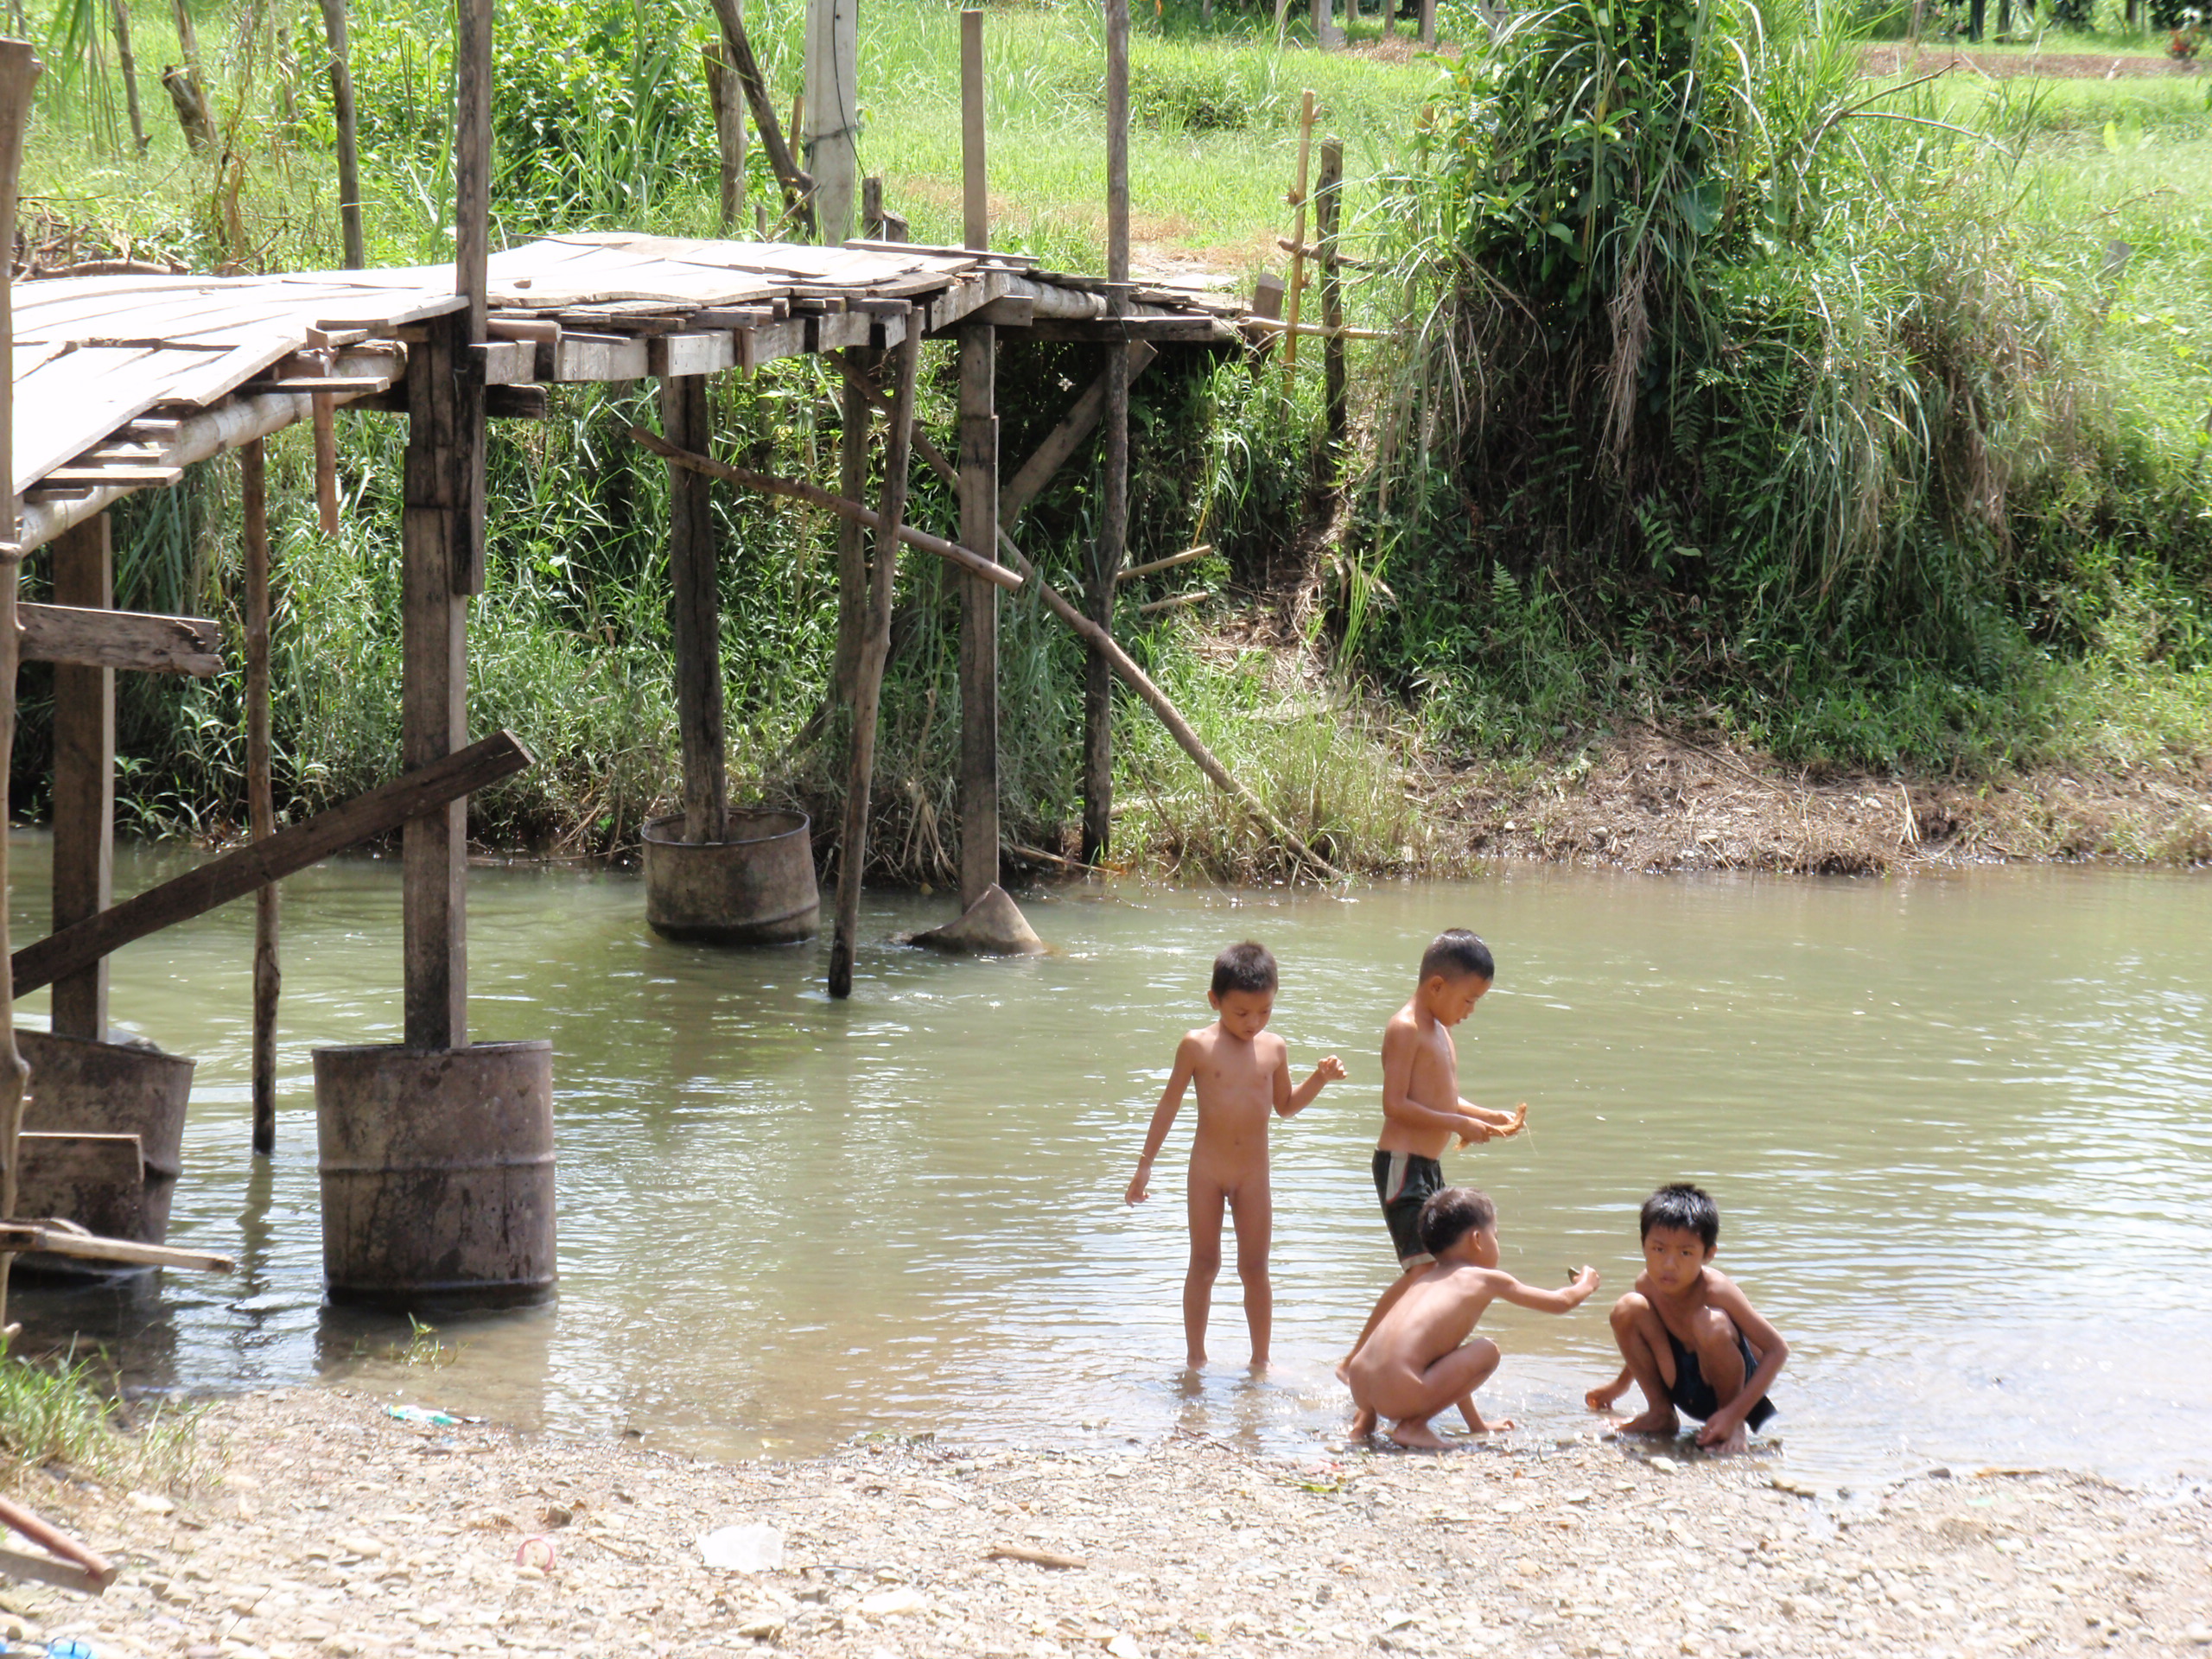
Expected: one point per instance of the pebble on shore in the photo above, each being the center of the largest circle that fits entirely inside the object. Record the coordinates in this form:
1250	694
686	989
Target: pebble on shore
325	1527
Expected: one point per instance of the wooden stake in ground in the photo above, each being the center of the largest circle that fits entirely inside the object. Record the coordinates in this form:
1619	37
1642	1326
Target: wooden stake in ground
1111	547
832	126
875	648
1327	212
260	791
127	62
1297	241
978	488
341	110
19	70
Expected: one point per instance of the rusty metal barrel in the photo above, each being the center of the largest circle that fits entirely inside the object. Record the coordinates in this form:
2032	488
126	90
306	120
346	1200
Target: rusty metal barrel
103	1141
437	1175
753	887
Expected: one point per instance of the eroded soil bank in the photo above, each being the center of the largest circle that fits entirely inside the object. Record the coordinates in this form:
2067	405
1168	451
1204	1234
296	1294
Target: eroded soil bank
327	1527
1647	799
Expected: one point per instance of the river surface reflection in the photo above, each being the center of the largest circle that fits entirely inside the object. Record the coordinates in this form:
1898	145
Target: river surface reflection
1960	1129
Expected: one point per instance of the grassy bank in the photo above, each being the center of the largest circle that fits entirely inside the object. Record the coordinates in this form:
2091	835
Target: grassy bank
1913	482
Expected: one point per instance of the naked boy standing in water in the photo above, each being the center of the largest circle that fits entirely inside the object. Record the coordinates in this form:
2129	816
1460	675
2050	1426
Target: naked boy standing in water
1242	1074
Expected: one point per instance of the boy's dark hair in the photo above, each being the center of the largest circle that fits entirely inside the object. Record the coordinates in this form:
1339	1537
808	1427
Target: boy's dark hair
1684	1208
1450	1214
1456	954
1247	967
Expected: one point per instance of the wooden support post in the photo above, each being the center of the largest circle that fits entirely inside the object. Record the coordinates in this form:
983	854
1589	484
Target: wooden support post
875	647
1328	203
851	540
341	110
260	791
1297	285
19	70
979	506
127	62
832	95
472	210
84	778
726	98
1428	25
695	576
1111	547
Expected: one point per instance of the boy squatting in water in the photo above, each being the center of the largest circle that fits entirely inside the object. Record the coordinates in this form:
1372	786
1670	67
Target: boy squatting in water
1242	1071
1689	1338
1419	1358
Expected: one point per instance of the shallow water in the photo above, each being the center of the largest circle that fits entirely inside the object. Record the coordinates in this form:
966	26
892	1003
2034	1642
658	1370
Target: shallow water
1960	1127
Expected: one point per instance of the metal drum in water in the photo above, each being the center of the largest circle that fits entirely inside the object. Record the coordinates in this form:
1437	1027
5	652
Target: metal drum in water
437	1175
753	887
103	1142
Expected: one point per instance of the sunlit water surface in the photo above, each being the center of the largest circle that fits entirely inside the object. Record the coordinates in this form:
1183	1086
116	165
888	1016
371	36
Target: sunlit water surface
1960	1127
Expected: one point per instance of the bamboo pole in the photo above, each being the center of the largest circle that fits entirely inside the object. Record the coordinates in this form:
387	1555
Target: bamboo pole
128	61
875	651
1327	220
1138	681
260	789
1297	242
1111	550
19	70
341	110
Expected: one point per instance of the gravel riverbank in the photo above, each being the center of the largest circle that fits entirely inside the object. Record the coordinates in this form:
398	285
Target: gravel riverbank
324	1526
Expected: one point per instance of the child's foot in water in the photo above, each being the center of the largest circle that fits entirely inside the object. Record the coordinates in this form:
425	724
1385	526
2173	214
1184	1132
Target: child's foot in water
1417	1437
1651	1422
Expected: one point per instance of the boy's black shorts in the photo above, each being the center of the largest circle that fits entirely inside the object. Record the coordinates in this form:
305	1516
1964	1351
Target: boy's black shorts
1403	1181
1696	1397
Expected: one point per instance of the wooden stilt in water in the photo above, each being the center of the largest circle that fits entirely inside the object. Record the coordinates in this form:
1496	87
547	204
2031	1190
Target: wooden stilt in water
1328	203
84	778
979	506
875	647
852	543
19	70
260	791
1112	545
695	575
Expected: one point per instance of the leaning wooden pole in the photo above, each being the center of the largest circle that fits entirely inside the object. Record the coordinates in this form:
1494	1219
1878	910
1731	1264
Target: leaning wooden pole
19	70
1111	547
1153	698
875	648
127	63
260	791
341	111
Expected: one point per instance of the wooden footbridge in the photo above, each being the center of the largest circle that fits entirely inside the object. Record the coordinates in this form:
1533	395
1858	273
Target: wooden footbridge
437	1153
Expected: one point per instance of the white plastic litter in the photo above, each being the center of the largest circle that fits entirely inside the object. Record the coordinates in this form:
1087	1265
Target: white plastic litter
754	1547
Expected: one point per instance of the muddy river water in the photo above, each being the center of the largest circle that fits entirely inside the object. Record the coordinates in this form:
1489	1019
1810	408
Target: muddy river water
1960	1127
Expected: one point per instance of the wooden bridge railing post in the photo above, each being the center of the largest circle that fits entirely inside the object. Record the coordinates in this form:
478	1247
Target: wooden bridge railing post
1112	545
695	575
260	791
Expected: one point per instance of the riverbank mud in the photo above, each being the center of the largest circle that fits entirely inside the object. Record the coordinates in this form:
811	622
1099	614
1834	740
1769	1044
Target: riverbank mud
324	1526
1645	798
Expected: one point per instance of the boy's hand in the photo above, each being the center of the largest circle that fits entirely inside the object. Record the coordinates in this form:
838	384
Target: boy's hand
1139	1184
1330	1069
1585	1285
1473	1130
1520	1120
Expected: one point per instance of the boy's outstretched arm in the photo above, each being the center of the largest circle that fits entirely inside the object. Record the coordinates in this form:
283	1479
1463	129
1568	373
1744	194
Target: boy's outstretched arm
1509	1289
1506	1123
1726	1424
1163	1117
1290	1102
1399	1048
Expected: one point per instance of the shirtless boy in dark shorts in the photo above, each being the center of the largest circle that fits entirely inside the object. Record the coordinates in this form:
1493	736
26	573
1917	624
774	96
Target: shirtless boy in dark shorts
1423	1114
1688	1339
